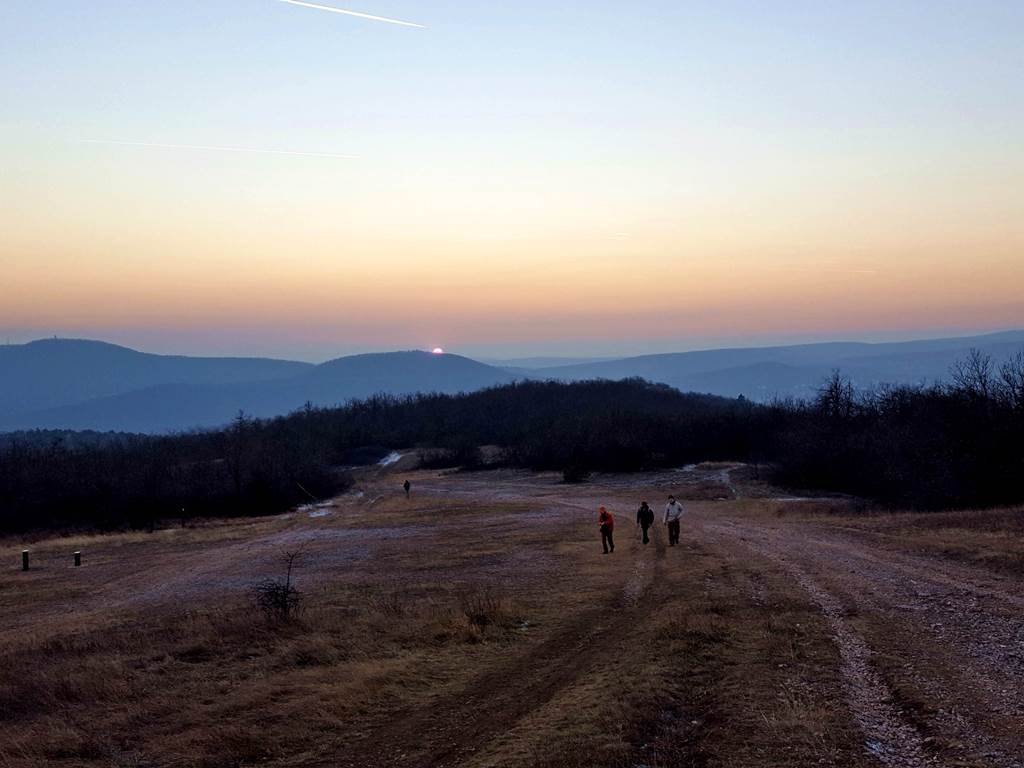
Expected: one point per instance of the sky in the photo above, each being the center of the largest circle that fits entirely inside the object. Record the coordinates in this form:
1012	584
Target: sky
556	177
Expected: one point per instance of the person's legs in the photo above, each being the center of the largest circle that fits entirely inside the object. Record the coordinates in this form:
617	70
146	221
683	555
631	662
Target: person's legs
605	538
673	533
646	538
611	541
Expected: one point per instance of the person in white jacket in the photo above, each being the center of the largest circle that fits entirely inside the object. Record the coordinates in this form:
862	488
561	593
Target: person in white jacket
673	512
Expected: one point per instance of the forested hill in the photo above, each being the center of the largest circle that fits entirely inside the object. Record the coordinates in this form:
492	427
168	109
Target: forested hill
952	446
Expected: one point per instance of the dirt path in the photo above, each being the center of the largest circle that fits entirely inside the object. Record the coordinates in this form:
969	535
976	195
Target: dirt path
461	723
966	657
959	639
956	632
888	735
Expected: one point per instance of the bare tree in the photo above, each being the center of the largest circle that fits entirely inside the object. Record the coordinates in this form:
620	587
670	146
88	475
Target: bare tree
974	375
1011	381
836	398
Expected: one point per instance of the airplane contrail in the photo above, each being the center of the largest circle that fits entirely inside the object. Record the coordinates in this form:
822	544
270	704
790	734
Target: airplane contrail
357	14
206	148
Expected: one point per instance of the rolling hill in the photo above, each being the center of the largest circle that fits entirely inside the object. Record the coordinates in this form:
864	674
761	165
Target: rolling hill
89	385
56	372
796	371
173	394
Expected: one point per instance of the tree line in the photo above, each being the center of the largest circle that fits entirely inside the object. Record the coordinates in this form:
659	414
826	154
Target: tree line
251	467
959	444
942	446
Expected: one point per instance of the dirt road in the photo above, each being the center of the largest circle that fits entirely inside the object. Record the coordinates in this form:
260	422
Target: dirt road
948	636
930	653
478	624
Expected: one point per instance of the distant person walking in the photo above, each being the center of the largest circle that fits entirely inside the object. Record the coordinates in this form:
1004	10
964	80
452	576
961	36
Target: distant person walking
673	512
408	487
645	519
607	524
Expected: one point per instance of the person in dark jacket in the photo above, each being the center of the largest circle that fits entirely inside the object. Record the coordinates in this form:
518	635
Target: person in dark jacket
607	524
645	519
407	486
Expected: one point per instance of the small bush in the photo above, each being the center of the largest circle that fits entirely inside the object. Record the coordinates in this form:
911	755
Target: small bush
279	600
483	607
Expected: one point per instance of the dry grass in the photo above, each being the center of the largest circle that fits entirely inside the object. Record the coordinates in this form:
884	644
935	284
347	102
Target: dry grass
153	681
475	624
993	539
207	680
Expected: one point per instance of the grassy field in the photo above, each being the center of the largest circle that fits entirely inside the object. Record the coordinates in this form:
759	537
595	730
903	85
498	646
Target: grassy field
477	623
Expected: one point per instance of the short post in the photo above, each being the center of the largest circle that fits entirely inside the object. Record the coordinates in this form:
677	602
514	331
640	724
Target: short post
78	559
24	559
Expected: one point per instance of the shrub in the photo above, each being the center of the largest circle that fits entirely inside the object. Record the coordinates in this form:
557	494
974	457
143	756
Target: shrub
278	599
484	607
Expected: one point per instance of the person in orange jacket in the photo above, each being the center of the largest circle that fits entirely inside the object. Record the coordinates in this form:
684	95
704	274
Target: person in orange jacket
607	524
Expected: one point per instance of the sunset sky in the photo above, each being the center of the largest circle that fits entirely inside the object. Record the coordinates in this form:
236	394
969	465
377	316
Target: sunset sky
538	177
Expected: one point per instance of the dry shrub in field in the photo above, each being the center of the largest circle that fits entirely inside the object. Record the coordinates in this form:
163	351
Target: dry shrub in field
484	607
279	600
485	613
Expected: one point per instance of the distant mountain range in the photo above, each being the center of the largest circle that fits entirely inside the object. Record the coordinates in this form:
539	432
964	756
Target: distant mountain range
80	385
761	373
68	384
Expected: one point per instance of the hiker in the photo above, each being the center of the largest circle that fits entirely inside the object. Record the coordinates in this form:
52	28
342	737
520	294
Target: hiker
607	523
673	511
645	519
408	487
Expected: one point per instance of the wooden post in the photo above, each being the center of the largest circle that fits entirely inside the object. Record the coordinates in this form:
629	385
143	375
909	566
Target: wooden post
78	559
24	559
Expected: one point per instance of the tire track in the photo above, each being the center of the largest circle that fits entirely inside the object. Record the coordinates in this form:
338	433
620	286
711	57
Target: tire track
449	730
889	737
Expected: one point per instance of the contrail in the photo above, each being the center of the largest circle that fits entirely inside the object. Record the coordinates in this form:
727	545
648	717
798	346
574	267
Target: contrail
353	13
205	148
